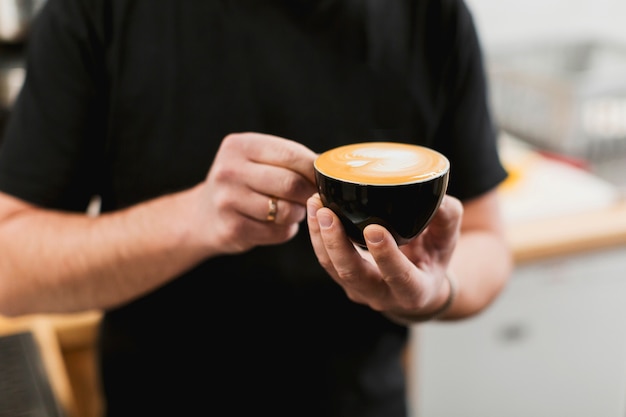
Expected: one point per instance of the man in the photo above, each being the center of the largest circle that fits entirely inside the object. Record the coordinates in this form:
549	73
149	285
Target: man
225	285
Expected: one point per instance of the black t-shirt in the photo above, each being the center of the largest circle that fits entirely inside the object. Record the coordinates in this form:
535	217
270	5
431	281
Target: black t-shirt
129	100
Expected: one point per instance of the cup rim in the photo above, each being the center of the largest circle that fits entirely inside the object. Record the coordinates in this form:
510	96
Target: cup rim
422	178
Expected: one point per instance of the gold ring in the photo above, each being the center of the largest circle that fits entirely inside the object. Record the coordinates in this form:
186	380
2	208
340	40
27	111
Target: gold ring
272	209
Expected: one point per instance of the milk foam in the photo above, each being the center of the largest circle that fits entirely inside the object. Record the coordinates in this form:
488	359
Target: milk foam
381	163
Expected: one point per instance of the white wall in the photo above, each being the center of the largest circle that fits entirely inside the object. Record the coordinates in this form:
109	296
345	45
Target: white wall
501	22
535	352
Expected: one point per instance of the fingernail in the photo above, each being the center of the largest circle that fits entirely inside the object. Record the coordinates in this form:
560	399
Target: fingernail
325	220
374	236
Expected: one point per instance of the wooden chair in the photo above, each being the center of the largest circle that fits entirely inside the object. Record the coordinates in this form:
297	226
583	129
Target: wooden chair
33	377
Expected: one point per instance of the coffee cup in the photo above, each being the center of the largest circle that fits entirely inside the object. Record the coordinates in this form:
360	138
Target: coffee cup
396	185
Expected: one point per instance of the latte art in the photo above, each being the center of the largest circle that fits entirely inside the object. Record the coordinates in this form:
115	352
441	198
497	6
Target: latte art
382	163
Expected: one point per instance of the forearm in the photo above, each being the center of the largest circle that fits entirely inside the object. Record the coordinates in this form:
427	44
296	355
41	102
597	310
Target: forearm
481	265
60	262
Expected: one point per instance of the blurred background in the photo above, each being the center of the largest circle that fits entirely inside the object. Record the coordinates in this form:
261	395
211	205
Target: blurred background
16	17
554	343
502	22
558	76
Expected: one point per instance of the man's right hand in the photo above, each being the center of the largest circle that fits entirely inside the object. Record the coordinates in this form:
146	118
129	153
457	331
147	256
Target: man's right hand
249	170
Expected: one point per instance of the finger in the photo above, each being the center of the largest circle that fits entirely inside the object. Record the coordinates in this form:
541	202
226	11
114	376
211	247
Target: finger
279	182
274	150
405	282
327	238
357	276
313	205
272	209
240	233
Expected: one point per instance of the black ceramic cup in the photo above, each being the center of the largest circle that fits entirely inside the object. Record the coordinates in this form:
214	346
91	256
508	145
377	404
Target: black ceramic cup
397	185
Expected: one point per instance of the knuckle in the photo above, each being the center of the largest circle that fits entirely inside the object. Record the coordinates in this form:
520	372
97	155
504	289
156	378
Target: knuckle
224	173
288	154
296	186
326	264
291	185
224	202
231	140
348	277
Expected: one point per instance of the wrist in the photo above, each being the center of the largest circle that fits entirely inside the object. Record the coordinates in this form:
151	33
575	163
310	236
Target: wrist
442	309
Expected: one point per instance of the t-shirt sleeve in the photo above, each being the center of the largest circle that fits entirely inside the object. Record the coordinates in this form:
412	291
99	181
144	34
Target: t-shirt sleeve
466	132
51	148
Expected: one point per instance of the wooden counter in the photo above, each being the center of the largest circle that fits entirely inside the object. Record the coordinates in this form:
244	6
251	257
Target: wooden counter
568	234
555	208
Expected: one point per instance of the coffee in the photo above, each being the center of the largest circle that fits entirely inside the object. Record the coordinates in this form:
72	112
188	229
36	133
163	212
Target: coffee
396	185
382	163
